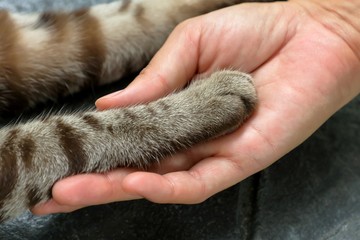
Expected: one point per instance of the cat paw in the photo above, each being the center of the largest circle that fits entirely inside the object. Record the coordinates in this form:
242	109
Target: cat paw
232	84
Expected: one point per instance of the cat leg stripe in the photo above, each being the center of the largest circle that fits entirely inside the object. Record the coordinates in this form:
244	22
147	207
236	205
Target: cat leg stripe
92	121
28	149
33	196
9	168
72	146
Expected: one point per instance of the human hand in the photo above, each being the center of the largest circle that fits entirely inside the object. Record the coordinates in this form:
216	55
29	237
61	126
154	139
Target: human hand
305	69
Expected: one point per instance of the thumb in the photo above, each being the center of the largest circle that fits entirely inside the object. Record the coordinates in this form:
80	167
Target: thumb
170	69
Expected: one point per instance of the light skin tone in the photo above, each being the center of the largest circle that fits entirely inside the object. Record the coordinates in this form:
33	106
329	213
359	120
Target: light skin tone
305	59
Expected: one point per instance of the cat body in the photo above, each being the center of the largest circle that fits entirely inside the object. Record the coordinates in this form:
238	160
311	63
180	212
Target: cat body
45	56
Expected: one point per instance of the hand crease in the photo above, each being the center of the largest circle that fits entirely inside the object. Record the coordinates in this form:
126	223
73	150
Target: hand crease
110	190
265	140
194	173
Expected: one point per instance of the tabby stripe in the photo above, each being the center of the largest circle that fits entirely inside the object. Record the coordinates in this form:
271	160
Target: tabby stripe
163	105
92	121
129	114
93	50
14	98
60	26
139	14
110	129
125	5
151	111
27	150
8	38
93	46
72	146
8	169
147	130
54	20
33	196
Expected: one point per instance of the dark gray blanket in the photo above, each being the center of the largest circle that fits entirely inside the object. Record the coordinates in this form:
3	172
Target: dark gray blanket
312	193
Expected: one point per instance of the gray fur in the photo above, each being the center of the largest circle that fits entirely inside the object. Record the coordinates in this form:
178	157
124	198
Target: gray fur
34	155
135	136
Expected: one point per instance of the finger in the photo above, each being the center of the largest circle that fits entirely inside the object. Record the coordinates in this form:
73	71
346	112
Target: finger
84	190
212	171
170	69
52	206
186	187
92	189
182	161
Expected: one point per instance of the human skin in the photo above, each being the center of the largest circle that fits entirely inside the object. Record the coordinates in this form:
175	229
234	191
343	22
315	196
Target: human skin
304	56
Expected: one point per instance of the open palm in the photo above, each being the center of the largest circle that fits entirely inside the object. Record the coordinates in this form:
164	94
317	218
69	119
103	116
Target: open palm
303	72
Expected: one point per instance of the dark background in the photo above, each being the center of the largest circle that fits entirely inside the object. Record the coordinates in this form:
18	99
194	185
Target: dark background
311	193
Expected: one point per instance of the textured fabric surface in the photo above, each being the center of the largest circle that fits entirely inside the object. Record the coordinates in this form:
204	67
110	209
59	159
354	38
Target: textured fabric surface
312	193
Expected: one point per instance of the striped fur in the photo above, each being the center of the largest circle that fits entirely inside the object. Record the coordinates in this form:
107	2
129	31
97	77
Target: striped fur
44	56
34	155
